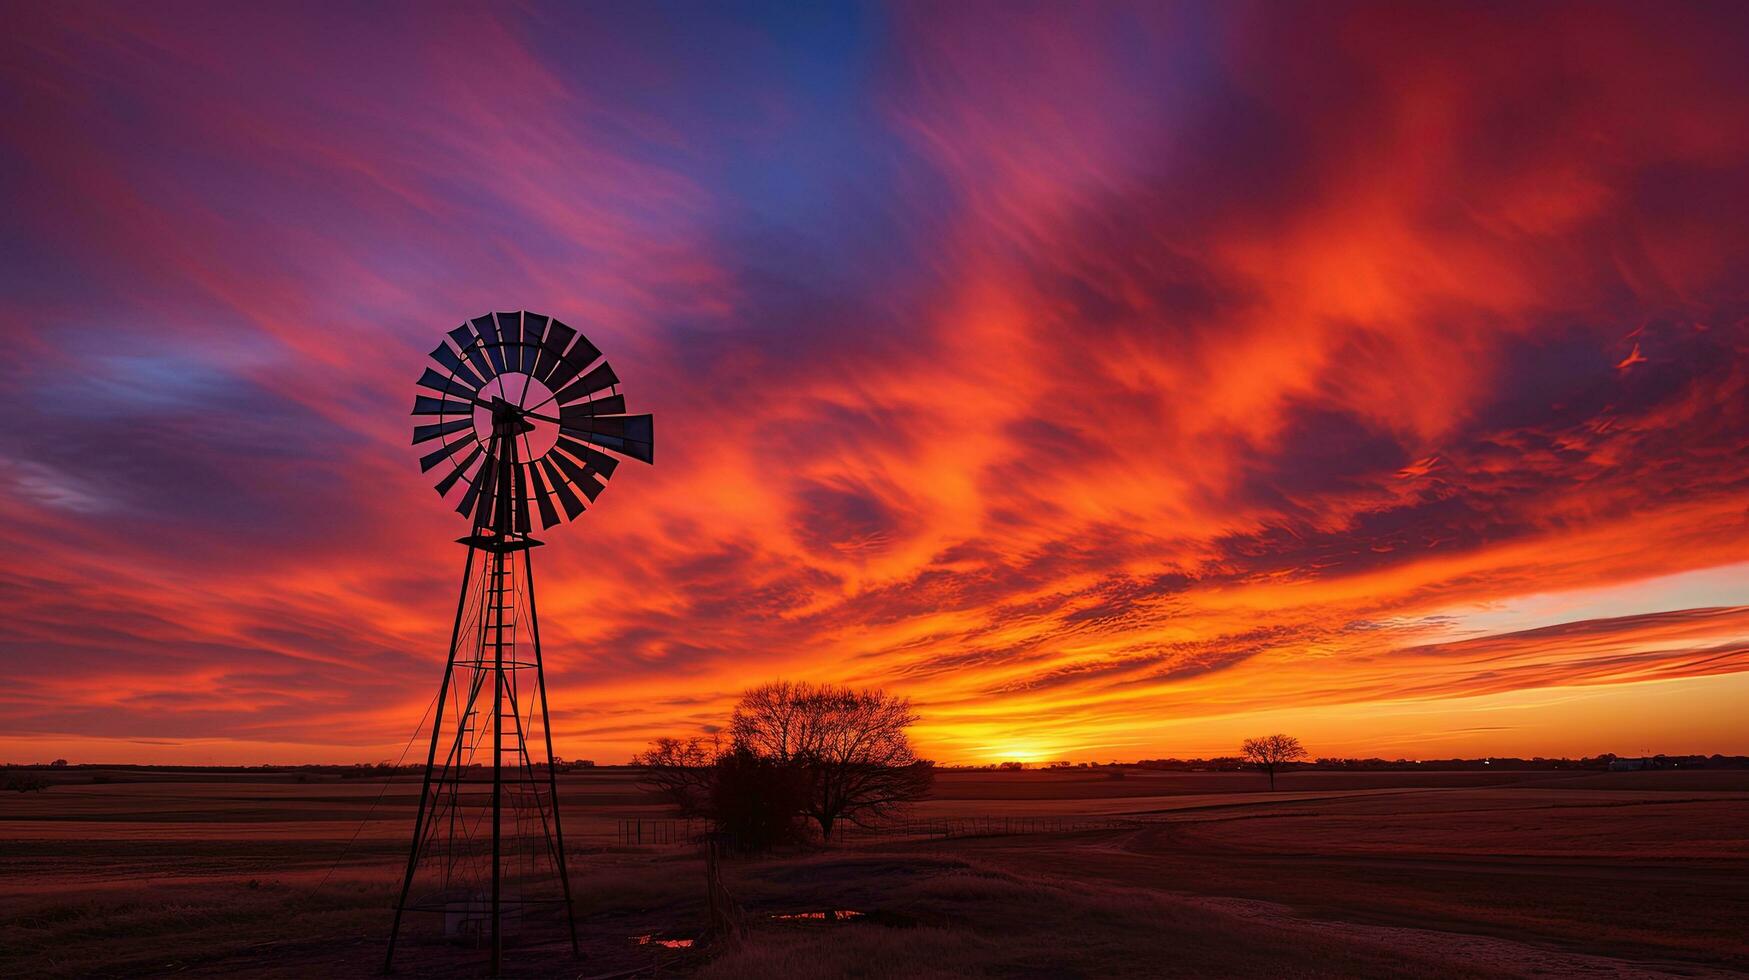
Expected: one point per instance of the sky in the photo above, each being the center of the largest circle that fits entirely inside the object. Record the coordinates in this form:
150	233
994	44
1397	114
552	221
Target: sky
1113	381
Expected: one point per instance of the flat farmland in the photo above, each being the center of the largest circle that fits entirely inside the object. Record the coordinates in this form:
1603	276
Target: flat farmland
1337	874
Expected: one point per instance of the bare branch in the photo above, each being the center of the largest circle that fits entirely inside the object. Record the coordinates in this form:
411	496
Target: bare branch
852	746
680	771
1271	752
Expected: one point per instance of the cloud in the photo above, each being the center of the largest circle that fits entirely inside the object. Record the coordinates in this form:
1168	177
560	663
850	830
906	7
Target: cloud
1064	369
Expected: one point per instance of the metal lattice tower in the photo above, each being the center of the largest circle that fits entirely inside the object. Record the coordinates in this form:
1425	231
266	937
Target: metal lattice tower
488	844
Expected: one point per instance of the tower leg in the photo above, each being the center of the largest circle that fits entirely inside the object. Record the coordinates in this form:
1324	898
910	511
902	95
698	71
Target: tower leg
540	679
430	758
497	768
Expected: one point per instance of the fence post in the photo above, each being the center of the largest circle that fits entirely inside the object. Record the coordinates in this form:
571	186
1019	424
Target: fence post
725	912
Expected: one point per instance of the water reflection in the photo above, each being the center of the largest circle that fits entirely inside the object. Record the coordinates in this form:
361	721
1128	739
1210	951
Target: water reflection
665	943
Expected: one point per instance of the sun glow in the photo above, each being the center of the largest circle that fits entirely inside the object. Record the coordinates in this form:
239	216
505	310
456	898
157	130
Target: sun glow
1025	753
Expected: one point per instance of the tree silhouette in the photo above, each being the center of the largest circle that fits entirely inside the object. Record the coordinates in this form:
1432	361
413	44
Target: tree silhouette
682	771
850	746
1271	752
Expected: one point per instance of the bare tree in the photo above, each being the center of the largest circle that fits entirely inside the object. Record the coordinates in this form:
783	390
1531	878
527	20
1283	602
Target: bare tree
1271	752
682	771
851	745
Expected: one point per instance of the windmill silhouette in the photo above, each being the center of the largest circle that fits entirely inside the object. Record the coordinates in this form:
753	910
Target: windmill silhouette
527	422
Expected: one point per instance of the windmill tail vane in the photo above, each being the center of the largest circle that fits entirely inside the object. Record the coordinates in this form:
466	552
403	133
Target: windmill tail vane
519	412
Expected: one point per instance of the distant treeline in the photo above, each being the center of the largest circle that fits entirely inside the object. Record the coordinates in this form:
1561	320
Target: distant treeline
1599	762
1602	762
1234	763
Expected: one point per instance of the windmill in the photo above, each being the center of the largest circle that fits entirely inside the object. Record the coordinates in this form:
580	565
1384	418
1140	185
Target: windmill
520	413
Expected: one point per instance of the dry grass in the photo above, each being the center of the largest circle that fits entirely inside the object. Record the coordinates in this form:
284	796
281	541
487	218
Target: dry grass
954	919
169	927
1611	875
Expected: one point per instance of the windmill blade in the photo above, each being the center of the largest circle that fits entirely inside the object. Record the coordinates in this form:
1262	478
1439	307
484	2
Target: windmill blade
519	497
569	500
581	476
594	458
552	350
446	356
543	497
440	406
484	482
466	507
628	435
445	384
487	328
534	331
625	447
589	384
427	461
504	487
444	484
510	332
611	405
581	355
470	344
424	433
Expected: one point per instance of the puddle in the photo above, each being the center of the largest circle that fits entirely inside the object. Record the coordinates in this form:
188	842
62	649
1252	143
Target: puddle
831	915
664	943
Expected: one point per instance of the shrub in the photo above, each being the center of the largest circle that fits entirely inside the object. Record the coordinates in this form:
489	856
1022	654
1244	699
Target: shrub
758	800
24	782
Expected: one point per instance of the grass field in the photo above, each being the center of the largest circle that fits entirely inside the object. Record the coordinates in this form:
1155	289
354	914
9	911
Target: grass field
1192	874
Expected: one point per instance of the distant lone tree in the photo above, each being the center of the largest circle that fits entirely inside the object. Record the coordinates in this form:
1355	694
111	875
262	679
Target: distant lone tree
1271	752
850	747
